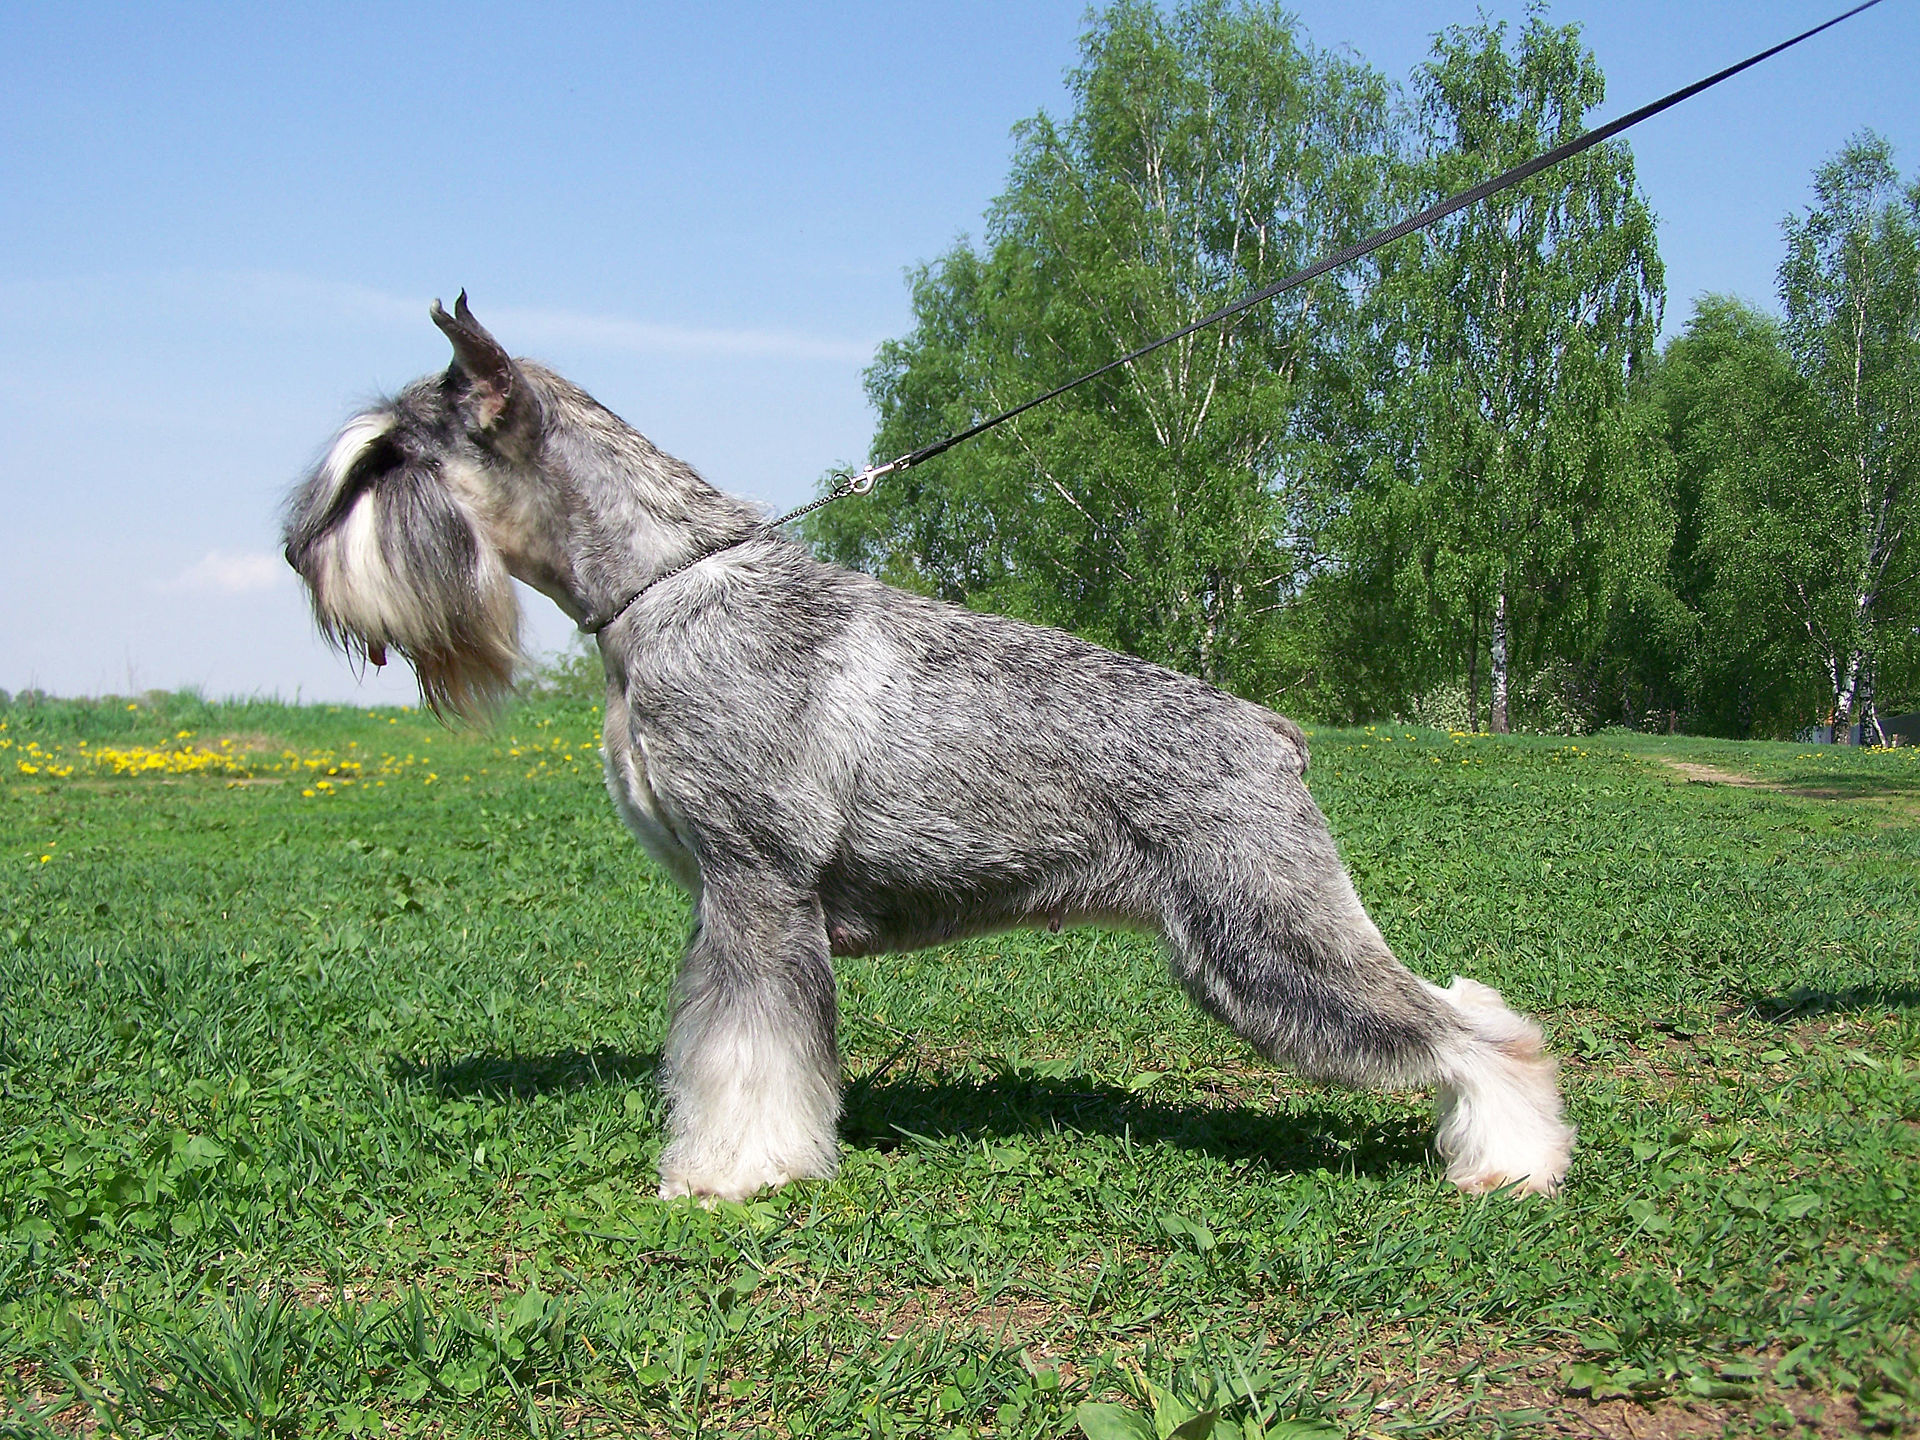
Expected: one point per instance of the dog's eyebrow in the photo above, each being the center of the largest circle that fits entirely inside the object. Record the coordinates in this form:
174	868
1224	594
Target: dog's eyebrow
379	455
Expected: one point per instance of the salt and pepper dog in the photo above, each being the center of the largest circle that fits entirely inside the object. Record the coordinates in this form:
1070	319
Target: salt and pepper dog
830	766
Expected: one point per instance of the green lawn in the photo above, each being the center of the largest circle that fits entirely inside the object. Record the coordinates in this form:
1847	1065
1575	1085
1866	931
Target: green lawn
326	1107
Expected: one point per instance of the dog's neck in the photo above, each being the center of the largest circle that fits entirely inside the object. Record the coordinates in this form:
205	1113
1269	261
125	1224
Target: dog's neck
632	515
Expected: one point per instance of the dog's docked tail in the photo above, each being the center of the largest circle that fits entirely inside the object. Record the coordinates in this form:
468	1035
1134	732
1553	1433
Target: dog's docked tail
1295	737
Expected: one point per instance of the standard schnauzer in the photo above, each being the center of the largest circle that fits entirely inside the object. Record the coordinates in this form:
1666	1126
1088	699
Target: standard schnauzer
831	766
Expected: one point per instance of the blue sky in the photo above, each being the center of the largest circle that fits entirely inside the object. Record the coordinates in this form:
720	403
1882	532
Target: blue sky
223	226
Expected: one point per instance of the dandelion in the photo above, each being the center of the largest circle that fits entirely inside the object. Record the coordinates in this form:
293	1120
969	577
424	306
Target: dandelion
179	758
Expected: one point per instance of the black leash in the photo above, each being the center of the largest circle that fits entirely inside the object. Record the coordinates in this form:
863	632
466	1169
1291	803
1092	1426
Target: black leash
861	483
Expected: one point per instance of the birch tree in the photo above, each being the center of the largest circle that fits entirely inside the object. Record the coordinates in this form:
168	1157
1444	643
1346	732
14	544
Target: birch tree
1161	509
1850	289
1513	330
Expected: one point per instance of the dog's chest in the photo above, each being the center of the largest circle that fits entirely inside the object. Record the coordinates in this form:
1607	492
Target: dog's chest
634	796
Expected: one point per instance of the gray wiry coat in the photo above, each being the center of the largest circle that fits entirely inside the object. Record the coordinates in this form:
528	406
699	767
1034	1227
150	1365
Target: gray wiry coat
830	765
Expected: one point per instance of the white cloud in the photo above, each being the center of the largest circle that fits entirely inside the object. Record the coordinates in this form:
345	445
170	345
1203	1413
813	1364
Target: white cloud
645	338
303	303
219	573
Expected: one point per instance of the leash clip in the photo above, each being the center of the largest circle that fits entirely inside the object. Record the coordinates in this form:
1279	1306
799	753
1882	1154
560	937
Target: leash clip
863	482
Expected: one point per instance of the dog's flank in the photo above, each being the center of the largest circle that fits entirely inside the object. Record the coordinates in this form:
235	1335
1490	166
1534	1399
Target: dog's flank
831	766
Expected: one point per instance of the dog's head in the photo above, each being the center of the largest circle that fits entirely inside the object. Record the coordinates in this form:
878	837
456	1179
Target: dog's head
408	531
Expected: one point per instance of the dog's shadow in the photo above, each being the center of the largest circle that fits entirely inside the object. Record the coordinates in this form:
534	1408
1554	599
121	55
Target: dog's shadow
890	1112
1809	1003
522	1077
883	1112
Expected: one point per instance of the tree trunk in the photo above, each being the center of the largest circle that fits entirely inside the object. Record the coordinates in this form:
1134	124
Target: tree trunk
1846	699
1864	707
1497	670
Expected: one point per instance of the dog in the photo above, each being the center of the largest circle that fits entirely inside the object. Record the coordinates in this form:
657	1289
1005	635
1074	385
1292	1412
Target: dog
830	766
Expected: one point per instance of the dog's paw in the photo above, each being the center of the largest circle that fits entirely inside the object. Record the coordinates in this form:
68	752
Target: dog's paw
737	1177
738	1186
737	1168
1486	1180
1501	1135
1501	1118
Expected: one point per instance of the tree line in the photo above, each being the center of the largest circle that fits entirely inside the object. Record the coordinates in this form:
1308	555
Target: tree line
1458	482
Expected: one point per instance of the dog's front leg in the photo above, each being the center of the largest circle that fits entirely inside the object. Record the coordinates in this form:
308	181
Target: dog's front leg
752	1070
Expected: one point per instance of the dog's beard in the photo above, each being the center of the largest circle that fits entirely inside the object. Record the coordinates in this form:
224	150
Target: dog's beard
394	561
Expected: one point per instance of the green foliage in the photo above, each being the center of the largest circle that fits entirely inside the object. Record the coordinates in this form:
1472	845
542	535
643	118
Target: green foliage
1735	414
1454	482
1350	497
1796	461
1194	1404
1158	510
1511	504
334	1115
1850	288
575	674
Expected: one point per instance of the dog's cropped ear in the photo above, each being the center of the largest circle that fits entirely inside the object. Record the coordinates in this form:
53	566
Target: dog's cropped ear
478	358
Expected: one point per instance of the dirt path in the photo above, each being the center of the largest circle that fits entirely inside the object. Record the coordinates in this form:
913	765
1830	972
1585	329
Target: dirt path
1897	799
1700	774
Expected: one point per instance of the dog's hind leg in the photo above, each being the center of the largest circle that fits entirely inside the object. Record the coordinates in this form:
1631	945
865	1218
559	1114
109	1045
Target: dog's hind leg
1280	948
752	1071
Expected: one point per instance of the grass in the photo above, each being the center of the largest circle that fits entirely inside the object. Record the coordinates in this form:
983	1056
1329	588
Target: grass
327	1109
